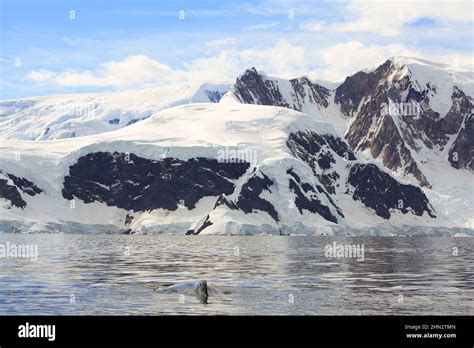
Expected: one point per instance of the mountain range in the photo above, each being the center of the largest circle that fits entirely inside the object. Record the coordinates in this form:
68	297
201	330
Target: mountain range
388	150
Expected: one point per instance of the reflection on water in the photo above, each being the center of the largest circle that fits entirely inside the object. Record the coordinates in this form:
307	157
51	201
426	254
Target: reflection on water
119	274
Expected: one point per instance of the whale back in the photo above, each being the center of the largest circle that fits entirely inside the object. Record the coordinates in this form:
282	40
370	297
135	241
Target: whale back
199	289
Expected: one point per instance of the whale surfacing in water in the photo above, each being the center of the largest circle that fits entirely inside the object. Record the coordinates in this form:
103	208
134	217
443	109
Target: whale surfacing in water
199	289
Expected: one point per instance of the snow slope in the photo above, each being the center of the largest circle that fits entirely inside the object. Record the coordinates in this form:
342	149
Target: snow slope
75	115
442	76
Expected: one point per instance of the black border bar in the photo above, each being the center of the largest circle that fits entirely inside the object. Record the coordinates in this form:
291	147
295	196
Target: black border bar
241	330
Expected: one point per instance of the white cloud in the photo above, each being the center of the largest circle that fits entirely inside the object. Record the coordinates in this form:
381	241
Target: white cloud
263	26
133	70
457	60
346	58
388	17
40	75
313	26
343	59
283	59
224	66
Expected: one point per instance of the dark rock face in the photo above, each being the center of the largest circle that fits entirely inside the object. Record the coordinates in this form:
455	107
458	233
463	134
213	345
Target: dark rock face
359	86
436	129
387	143
317	94
254	88
313	142
134	183
25	185
339	146
313	149
307	198
380	192
249	198
264	93
12	192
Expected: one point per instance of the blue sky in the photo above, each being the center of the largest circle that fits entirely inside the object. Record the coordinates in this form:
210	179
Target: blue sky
110	45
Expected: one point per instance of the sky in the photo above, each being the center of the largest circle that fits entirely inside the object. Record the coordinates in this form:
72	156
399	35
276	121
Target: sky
65	46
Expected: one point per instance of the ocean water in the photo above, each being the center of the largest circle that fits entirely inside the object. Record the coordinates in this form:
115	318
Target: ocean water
248	275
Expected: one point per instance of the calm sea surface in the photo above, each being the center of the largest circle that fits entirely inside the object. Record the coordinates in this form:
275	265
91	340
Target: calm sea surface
248	275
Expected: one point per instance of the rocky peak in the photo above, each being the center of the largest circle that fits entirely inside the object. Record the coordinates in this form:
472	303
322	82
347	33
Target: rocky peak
254	88
358	87
301	94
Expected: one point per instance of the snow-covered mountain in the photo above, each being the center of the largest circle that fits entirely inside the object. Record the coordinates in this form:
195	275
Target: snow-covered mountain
405	112
75	115
413	113
205	168
412	116
273	156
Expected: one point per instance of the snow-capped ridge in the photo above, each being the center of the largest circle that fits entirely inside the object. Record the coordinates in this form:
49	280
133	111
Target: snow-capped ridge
272	155
75	115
